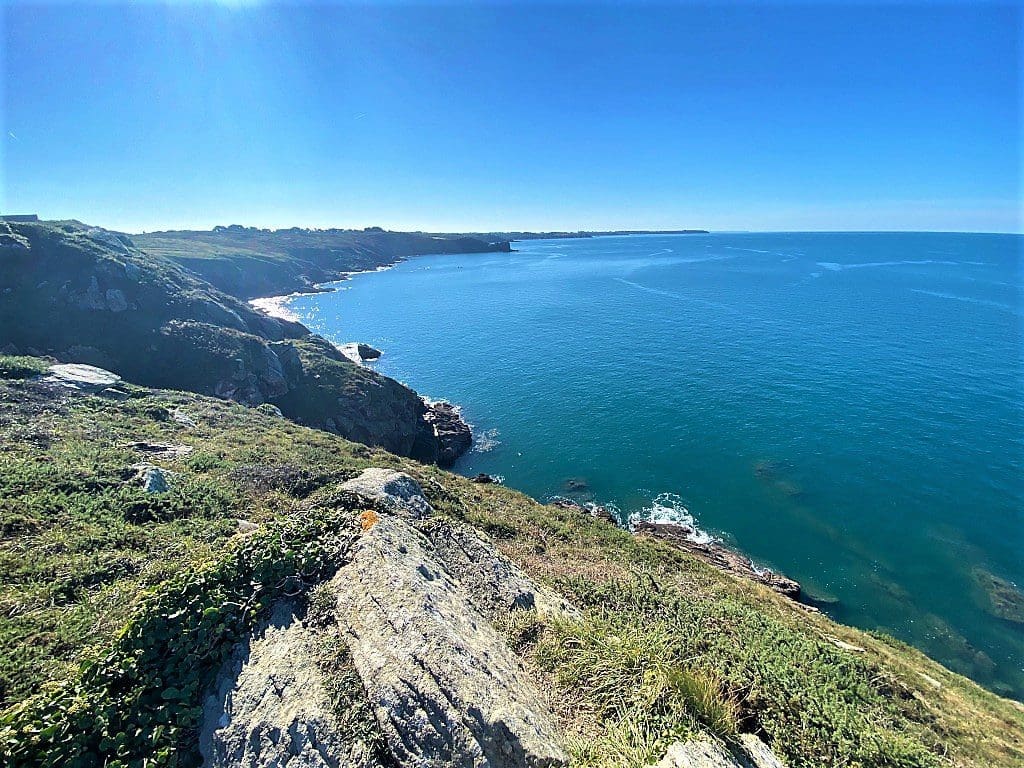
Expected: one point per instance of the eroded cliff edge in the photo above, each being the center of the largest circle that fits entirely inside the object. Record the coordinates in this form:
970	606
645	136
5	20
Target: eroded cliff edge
86	295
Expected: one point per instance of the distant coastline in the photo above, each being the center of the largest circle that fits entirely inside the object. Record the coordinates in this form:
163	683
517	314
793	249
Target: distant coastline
514	236
277	305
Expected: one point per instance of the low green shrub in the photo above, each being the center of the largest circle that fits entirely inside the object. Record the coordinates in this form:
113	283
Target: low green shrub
646	652
203	461
140	703
625	741
21	366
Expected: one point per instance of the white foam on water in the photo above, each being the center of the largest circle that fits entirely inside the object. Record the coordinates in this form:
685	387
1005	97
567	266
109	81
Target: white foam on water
968	299
750	250
381	268
277	306
590	506
756	250
834	267
486	440
681	297
611	507
428	400
668	509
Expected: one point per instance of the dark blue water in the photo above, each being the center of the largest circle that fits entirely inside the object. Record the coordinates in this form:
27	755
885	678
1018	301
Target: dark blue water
844	407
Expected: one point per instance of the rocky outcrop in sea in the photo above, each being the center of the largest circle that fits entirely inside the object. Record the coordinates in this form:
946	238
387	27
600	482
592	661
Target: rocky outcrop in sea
718	555
454	436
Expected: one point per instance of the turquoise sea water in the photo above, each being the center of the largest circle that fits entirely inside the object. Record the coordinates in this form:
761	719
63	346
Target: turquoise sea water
846	408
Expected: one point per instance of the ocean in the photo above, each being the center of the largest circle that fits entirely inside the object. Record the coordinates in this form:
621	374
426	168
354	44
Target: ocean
844	408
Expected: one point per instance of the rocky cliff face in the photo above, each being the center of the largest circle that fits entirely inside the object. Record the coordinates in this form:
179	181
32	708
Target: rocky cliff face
86	295
338	396
453	435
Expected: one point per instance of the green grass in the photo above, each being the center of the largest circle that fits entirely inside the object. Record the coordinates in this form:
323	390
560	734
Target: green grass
21	367
91	568
679	665
628	678
751	653
140	701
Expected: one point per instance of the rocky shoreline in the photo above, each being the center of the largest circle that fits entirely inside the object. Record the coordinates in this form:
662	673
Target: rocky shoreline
454	438
81	294
714	553
346	607
720	556
453	435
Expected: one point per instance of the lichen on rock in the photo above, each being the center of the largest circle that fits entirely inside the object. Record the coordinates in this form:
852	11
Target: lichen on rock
270	706
412	605
748	752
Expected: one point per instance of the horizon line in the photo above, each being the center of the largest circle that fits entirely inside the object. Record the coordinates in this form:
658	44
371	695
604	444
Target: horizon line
483	231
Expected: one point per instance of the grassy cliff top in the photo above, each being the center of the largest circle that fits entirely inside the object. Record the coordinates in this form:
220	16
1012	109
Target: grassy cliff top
97	576
251	262
82	294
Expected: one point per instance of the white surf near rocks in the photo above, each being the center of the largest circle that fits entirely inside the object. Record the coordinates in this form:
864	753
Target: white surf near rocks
358	352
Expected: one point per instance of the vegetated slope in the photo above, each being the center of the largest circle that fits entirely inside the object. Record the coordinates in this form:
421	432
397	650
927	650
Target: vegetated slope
248	262
83	294
117	606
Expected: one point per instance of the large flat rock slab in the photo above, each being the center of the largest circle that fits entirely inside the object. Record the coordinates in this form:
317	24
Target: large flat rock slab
270	708
411	605
448	690
82	378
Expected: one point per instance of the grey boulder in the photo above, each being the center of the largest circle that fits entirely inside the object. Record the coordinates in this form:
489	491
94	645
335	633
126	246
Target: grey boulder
395	491
269	706
751	752
81	378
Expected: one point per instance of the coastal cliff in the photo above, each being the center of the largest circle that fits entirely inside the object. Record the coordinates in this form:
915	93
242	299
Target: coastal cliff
249	263
86	295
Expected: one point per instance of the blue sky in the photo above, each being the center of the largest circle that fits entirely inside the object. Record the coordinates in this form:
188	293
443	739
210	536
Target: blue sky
514	116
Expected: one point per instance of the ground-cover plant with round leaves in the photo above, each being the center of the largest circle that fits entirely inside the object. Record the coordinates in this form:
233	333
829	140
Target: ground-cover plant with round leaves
140	703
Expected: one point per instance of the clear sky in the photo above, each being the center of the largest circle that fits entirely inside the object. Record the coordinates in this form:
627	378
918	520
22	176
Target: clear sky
449	117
